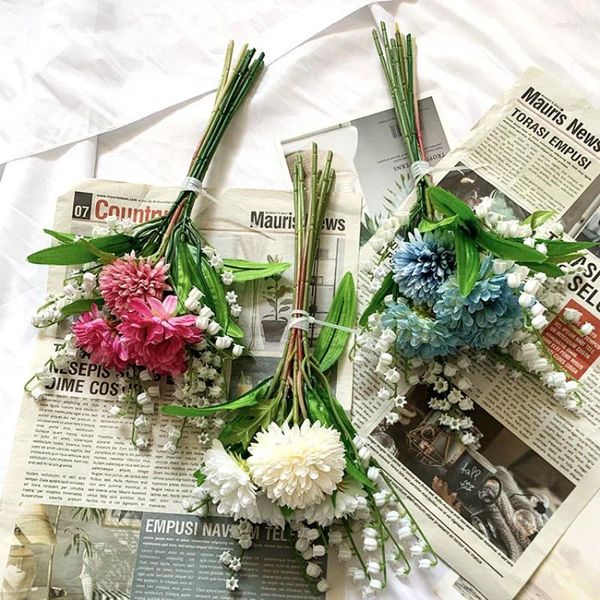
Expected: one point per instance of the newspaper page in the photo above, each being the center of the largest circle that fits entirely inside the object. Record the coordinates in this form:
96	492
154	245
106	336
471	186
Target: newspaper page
69	451
493	514
371	159
570	571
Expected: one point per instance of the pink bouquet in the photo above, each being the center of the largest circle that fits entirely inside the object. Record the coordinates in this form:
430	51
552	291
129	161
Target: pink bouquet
150	301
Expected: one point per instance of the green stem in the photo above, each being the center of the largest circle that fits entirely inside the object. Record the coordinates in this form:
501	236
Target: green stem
396	56
385	476
234	86
355	548
183	424
204	503
382	537
398	547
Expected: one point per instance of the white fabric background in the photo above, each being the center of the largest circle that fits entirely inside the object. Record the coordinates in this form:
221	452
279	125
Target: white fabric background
121	90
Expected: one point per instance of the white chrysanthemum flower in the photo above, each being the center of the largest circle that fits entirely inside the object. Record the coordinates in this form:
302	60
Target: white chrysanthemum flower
297	466
270	512
229	484
346	503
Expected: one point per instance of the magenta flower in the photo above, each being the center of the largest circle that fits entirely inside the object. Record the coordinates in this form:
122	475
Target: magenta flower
155	338
94	334
127	278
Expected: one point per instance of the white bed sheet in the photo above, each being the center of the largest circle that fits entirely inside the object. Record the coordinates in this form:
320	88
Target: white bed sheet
469	52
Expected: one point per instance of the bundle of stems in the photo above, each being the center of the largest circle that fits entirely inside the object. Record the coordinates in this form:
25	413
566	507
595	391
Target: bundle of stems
298	389
298	364
235	84
174	237
397	56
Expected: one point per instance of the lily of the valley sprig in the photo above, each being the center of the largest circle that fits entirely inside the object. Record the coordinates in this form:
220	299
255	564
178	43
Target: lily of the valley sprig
450	283
151	300
289	456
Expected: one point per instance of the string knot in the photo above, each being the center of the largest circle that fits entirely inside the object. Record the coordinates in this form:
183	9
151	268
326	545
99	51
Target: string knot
191	184
420	169
304	320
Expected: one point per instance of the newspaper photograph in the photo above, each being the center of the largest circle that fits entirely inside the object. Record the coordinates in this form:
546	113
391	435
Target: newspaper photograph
371	158
99	553
70	450
570	570
503	479
494	512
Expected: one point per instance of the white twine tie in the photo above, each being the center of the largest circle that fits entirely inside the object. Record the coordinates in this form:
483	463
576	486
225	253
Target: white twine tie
421	168
193	184
304	320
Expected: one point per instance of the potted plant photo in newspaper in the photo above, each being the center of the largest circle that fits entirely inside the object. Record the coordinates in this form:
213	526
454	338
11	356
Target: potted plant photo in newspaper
278	296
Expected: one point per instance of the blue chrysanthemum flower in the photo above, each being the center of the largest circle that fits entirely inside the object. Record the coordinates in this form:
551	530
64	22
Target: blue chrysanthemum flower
418	335
422	264
488	316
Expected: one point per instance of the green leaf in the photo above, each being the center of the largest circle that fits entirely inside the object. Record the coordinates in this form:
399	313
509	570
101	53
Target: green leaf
509	249
538	218
425	225
340	417
105	257
200	477
78	252
563	247
331	342
63	238
548	268
467	262
286	511
317	401
241	429
215	299
376	304
244	270
180	261
241	264
234	330
81	306
205	278
250	398
557	260
316	407
358	474
449	205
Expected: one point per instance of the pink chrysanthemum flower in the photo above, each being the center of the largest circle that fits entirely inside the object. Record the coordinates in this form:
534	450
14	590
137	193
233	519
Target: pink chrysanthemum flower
155	338
129	277
94	334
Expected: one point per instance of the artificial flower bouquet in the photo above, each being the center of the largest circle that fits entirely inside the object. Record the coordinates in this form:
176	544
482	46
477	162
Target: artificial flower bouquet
151	301
449	283
288	454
